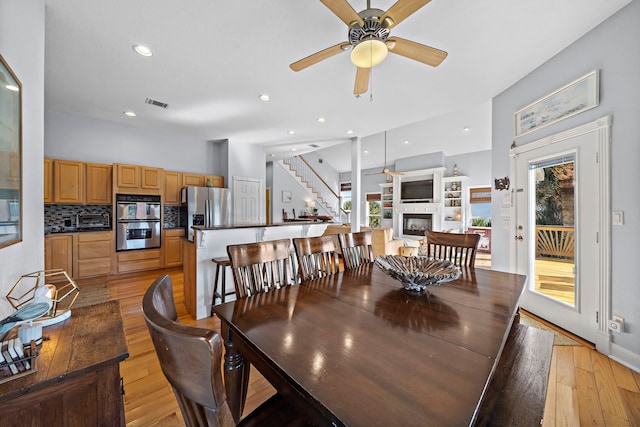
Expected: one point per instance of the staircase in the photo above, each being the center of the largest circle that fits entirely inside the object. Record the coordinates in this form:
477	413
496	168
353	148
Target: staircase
318	189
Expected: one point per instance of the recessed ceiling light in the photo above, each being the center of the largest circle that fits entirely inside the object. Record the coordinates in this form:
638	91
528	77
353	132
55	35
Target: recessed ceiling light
264	97
321	120
349	132
291	132
466	129
13	88
130	114
406	141
272	155
293	149
142	50
366	151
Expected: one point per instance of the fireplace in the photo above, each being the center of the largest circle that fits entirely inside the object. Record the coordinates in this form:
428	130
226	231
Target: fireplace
416	224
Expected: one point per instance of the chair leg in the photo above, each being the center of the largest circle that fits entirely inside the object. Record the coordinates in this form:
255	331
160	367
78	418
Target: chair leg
215	289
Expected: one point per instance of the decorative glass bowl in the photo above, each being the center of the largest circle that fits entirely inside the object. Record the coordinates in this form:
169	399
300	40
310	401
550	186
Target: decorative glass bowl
416	273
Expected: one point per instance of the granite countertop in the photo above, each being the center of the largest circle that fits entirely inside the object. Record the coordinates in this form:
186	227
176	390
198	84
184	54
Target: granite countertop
62	230
274	224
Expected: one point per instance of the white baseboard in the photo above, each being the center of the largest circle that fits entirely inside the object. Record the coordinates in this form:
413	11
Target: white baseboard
625	357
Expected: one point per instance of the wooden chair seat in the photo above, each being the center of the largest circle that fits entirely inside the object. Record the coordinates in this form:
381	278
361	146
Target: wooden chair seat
356	248
190	359
460	249
317	256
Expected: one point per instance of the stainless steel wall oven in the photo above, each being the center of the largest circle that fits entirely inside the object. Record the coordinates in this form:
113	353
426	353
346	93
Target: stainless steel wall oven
138	223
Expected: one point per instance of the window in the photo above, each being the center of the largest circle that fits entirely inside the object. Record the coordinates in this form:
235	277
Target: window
480	201
345	201
374	210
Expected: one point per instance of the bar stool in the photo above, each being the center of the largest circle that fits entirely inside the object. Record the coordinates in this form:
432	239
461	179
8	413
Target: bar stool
221	263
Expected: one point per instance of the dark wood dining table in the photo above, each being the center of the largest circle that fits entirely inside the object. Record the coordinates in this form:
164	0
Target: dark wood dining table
356	349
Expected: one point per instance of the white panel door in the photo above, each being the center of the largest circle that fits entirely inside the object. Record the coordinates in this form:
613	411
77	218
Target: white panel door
559	218
247	200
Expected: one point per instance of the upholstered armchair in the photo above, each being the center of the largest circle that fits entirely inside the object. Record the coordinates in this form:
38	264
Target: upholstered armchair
382	240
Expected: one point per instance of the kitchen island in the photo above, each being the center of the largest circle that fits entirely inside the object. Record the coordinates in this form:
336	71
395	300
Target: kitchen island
212	242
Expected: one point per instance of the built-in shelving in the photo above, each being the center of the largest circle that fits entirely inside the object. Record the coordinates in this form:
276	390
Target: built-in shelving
454	203
386	200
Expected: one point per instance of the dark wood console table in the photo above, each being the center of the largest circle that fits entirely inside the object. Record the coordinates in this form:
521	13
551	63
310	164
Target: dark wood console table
78	377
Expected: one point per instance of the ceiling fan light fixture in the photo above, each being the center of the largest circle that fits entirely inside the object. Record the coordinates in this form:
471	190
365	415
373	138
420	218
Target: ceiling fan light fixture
369	53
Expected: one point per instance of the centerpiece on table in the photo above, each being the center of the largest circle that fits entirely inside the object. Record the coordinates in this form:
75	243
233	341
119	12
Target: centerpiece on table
416	273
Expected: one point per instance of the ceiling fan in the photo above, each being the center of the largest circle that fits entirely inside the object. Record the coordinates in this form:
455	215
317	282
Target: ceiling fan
385	169
369	39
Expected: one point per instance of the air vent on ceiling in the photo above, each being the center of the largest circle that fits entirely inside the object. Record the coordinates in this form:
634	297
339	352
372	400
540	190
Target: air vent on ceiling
156	103
314	145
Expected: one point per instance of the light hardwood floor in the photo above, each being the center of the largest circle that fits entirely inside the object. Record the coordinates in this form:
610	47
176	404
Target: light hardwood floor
585	387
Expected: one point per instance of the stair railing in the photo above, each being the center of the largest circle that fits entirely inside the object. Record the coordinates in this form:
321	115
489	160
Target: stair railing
326	195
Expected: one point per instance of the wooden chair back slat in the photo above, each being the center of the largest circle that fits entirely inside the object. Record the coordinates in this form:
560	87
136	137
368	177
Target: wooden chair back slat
460	249
262	266
356	249
317	256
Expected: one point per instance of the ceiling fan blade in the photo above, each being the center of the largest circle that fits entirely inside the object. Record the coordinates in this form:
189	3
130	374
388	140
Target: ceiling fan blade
416	51
393	173
362	81
400	11
318	56
376	173
344	11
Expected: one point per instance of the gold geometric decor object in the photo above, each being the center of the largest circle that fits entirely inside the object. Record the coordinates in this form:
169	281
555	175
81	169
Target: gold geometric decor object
33	287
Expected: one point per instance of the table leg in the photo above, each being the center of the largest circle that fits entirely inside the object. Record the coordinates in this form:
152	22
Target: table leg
236	375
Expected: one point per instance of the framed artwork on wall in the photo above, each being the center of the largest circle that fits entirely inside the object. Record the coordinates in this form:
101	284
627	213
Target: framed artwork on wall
10	156
576	97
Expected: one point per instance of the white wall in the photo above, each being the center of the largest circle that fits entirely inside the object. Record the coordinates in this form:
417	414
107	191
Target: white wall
22	46
74	137
613	47
248	161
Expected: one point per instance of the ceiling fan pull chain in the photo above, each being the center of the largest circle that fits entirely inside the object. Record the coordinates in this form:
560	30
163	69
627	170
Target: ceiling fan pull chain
371	86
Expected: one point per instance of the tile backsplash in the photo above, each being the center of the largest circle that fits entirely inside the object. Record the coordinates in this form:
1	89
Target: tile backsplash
171	217
56	217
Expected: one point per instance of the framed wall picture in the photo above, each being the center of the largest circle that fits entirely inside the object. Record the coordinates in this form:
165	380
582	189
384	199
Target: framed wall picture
10	156
286	197
576	97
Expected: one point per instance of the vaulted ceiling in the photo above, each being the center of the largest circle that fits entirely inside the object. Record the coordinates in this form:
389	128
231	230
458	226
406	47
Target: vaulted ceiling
212	59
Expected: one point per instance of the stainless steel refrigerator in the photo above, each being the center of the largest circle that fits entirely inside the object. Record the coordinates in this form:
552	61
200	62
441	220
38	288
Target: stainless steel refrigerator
206	206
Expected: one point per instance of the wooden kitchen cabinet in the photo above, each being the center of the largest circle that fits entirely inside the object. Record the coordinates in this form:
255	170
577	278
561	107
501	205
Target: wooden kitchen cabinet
192	179
138	260
173	247
216	180
93	254
172	186
58	252
48	177
98	182
150	178
68	182
127	176
199	180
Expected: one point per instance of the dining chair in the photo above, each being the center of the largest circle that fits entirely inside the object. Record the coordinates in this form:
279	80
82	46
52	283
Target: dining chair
317	256
356	248
458	248
190	359
261	267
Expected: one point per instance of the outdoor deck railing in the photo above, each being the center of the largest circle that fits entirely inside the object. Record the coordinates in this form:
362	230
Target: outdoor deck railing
555	241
